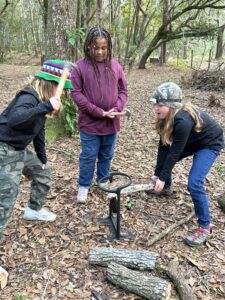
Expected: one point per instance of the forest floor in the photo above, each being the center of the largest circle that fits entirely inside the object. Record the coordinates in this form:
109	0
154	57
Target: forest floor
50	260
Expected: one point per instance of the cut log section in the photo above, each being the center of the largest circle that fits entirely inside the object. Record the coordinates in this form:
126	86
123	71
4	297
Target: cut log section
149	287
133	189
3	277
142	260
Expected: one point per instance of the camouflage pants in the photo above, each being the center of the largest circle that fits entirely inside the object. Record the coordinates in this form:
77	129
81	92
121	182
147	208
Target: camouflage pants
12	165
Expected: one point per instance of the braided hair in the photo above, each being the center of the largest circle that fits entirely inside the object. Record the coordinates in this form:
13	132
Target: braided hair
93	34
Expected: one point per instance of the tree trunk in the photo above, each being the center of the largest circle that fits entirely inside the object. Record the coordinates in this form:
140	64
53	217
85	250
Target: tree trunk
33	28
163	56
149	287
219	46
99	13
142	260
60	18
185	48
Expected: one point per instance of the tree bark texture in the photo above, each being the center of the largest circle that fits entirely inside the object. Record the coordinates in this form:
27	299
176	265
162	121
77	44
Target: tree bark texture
61	16
142	260
133	189
149	287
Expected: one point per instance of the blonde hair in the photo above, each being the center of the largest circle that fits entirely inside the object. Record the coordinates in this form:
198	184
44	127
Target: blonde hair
165	127
44	88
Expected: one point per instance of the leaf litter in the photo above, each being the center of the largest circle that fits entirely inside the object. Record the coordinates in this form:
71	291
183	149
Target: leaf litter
49	260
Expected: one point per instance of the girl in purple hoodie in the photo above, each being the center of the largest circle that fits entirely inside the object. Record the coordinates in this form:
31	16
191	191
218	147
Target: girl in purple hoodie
99	90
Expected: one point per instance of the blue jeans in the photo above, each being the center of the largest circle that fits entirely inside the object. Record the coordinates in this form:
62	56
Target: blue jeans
95	147
202	162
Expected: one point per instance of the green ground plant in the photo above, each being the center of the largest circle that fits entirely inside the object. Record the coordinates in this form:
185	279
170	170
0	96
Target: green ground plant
65	123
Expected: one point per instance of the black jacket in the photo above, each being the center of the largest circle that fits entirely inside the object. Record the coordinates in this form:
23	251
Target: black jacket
23	121
186	141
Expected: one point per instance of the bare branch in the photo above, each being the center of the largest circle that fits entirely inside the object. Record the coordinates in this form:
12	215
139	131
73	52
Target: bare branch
7	3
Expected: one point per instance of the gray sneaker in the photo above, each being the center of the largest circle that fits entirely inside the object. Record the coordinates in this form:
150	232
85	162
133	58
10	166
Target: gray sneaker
199	237
166	191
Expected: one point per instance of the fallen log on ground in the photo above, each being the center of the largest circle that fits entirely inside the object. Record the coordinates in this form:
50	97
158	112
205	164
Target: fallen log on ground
133	189
3	277
173	272
142	260
221	203
149	287
169	229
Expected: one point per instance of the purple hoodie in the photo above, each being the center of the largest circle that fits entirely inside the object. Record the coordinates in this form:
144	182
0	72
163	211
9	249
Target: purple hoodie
92	95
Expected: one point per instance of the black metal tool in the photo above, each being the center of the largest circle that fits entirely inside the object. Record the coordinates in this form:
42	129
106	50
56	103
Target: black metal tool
114	207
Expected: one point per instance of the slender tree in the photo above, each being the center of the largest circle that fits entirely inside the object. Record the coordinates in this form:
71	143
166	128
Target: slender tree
182	15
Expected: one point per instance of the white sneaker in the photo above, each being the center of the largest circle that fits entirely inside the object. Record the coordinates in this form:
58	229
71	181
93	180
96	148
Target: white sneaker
104	184
40	215
82	194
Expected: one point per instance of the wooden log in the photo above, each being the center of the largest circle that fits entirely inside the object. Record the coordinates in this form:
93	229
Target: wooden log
169	229
181	285
142	260
221	203
149	287
132	189
3	277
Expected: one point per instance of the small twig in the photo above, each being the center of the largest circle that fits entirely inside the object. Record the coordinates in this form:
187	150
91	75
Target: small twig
62	151
45	289
170	229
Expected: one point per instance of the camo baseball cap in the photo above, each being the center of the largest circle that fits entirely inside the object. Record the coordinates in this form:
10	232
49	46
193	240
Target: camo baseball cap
168	94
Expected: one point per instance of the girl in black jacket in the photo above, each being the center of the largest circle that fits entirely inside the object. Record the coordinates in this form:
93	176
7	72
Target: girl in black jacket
21	123
185	131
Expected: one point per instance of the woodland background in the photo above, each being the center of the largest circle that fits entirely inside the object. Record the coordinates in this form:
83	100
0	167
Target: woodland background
50	261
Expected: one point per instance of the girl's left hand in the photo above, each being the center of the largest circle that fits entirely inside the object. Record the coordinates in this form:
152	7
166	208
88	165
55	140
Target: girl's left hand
159	185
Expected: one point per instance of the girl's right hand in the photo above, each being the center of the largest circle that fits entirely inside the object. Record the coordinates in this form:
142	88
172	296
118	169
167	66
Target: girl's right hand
56	103
108	113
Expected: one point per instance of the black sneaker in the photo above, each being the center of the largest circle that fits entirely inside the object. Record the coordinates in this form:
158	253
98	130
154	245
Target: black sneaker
166	191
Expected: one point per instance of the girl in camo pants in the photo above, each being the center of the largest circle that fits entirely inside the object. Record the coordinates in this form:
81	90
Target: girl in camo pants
21	123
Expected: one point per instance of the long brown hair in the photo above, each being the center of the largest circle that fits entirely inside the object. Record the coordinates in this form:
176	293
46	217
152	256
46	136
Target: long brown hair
165	127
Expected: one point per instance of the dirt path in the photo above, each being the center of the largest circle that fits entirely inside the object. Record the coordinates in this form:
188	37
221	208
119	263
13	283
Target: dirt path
49	261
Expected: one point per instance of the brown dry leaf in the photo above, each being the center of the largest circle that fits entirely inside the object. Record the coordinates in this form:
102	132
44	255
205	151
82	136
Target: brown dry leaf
49	232
199	265
135	154
37	231
22	230
220	256
65	237
41	240
192	281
